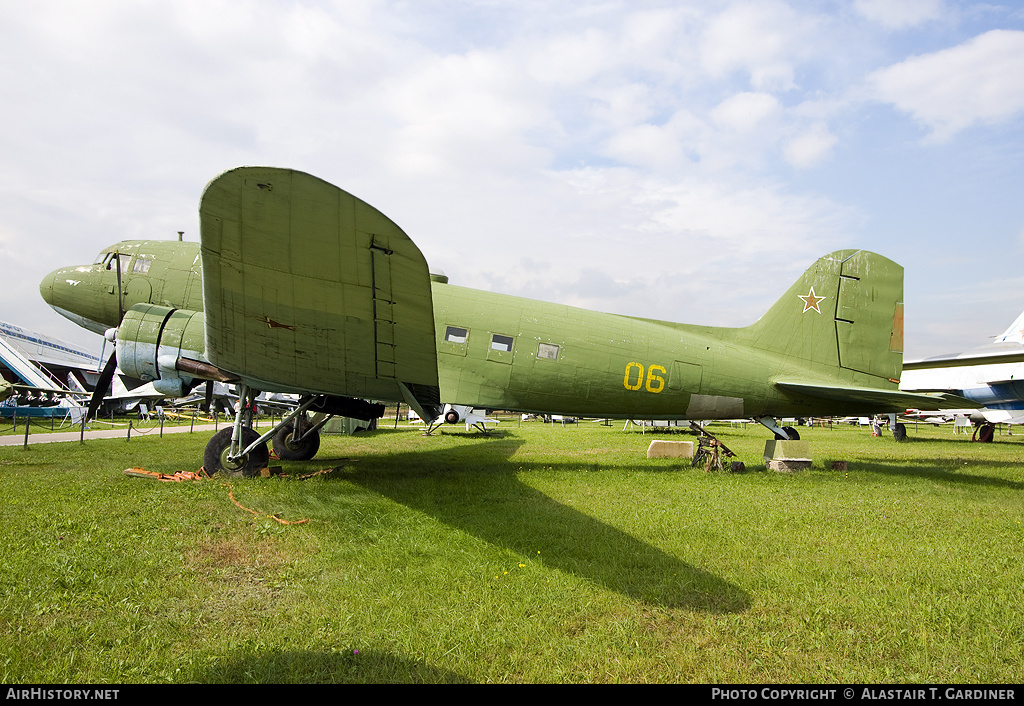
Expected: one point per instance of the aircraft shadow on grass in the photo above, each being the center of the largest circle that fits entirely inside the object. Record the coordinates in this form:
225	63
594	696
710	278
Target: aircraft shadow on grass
510	514
939	469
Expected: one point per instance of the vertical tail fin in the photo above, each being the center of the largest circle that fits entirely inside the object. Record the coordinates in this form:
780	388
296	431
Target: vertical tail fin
845	311
1014	333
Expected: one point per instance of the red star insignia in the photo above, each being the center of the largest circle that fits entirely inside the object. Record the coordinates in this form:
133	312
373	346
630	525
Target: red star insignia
811	301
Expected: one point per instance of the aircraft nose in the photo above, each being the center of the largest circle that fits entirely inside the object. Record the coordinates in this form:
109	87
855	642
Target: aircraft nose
71	292
47	287
58	288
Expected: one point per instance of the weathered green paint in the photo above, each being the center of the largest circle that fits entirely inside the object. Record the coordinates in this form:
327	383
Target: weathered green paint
309	289
88	294
619	366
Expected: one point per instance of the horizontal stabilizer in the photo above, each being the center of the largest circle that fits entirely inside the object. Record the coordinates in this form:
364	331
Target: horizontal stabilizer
879	398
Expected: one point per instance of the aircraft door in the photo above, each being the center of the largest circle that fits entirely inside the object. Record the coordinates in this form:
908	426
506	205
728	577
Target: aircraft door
685	377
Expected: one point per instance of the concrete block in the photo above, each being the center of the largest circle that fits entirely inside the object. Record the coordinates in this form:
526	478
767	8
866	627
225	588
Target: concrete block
788	465
670	449
786	449
787	456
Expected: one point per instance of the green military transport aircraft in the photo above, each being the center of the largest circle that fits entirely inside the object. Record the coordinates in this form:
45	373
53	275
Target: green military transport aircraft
300	287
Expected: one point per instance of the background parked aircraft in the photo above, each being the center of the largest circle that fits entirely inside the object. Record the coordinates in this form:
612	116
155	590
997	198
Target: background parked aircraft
992	375
41	375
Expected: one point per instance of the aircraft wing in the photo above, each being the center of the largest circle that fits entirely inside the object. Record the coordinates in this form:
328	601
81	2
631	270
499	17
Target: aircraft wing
879	398
308	289
992	354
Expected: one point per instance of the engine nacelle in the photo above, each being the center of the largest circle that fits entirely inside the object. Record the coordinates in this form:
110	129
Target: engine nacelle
153	340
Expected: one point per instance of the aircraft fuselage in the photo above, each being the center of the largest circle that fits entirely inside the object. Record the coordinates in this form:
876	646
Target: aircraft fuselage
504	352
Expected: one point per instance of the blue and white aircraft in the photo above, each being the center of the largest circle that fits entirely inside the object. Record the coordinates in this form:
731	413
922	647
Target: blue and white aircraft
991	375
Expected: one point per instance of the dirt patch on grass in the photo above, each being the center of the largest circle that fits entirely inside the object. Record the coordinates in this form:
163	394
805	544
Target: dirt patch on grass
241	581
216	554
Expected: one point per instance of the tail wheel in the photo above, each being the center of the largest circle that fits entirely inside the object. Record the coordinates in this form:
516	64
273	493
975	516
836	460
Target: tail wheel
215	458
899	432
289	450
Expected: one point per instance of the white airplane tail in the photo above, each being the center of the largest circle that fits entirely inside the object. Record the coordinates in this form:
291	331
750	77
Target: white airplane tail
1015	333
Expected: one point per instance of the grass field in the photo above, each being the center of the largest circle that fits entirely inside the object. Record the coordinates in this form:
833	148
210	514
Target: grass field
543	554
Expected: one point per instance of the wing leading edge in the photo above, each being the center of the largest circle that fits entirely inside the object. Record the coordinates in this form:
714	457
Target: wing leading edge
307	288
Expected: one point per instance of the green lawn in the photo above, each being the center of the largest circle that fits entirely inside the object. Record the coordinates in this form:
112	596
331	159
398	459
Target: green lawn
542	554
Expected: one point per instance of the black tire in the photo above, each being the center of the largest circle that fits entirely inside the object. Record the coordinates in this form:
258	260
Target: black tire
287	450
215	457
899	432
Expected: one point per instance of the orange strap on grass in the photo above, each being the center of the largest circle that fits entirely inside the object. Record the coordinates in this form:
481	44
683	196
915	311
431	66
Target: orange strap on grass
273	517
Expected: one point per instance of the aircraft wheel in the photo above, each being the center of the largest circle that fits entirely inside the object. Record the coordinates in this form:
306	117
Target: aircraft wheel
899	432
794	435
288	450
215	458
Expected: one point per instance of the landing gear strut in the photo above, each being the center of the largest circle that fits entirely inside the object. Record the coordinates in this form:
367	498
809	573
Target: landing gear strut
240	451
781	433
218	457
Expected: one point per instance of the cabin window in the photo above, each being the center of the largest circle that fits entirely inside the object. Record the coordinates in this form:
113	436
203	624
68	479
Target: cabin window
501	343
548	351
141	265
454	334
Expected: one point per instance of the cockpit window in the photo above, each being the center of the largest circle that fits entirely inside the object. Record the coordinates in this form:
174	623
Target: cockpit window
112	262
141	265
102	258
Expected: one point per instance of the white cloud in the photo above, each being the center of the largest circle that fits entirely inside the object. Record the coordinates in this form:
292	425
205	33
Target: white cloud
810	147
975	82
629	147
897	14
765	40
572	58
650	146
744	111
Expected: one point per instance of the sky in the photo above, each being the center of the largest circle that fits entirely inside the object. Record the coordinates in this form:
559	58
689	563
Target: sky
676	160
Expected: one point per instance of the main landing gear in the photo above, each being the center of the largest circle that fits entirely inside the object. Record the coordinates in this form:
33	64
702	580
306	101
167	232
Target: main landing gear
239	451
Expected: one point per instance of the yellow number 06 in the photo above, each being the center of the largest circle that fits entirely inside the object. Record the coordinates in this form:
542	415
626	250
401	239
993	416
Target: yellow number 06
634	378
